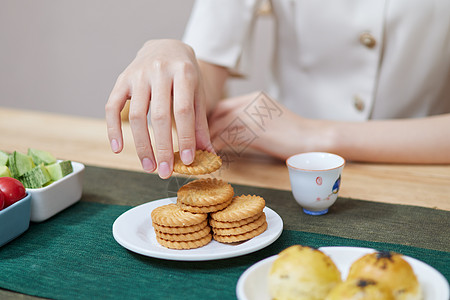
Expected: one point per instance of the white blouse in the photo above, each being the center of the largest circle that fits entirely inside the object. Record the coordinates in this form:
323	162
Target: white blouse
348	60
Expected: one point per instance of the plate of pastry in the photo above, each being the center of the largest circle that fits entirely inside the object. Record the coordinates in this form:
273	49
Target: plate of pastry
333	273
162	230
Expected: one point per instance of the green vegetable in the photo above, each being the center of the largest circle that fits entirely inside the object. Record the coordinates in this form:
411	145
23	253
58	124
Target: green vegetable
36	169
60	169
35	178
19	164
41	157
48	183
3	158
4	171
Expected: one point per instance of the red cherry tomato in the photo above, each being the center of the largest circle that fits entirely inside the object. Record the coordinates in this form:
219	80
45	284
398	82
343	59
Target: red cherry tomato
2	201
12	189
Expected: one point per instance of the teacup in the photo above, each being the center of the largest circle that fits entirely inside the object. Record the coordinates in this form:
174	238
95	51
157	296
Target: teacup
315	180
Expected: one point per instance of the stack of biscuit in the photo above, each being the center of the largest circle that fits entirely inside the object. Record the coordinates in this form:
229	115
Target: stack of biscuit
243	219
179	229
232	219
205	195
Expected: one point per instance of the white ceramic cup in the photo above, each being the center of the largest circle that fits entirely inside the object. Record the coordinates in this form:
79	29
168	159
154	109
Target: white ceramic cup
315	180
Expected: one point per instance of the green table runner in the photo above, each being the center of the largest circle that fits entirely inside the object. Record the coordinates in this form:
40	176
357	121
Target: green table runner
74	255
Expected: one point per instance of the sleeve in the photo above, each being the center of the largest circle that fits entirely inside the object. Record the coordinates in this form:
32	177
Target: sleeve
220	32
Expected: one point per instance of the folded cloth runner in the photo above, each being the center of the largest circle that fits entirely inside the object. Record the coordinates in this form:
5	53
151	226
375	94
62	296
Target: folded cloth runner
74	255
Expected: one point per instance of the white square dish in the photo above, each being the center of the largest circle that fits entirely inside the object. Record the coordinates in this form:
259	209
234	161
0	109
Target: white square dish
57	196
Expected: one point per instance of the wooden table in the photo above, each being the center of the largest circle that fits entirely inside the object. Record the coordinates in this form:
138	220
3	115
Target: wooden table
85	140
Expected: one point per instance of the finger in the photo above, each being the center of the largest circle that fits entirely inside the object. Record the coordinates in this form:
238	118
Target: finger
160	112
116	101
203	139
183	108
139	106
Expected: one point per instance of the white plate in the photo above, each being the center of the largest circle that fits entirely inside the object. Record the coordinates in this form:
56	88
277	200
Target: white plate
253	282
134	231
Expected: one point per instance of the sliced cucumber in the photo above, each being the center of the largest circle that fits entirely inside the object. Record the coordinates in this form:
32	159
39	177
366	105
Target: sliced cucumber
41	156
19	164
60	169
4	171
3	158
36	178
48	183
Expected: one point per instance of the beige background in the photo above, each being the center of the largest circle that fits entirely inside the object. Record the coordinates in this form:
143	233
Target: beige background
64	55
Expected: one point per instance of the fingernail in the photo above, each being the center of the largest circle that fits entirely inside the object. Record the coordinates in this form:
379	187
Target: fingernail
114	145
164	170
187	157
148	165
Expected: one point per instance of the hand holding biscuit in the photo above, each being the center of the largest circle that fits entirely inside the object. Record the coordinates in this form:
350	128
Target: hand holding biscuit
163	77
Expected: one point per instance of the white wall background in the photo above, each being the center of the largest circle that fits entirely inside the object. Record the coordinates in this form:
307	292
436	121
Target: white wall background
64	56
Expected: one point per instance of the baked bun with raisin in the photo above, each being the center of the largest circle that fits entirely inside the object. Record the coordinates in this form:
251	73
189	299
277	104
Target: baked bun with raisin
302	273
390	270
360	290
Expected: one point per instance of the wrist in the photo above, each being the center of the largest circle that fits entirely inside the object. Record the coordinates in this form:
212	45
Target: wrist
326	136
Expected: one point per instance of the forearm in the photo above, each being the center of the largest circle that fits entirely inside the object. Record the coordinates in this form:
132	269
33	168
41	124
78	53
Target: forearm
425	140
420	141
214	78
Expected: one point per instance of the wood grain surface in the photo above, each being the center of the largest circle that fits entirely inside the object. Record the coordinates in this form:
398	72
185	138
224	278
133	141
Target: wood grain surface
85	140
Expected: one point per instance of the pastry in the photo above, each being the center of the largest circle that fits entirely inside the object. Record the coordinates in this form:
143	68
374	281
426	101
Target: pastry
359	290
302	273
390	270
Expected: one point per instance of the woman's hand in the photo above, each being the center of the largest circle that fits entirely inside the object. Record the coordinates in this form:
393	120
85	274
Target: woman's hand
259	122
163	77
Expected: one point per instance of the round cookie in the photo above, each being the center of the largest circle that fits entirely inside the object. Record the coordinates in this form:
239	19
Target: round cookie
191	236
205	192
204	163
241	237
203	209
185	244
241	229
219	224
172	215
180	229
241	207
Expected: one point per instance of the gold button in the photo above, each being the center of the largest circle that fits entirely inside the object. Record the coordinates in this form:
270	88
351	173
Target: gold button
358	102
367	40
